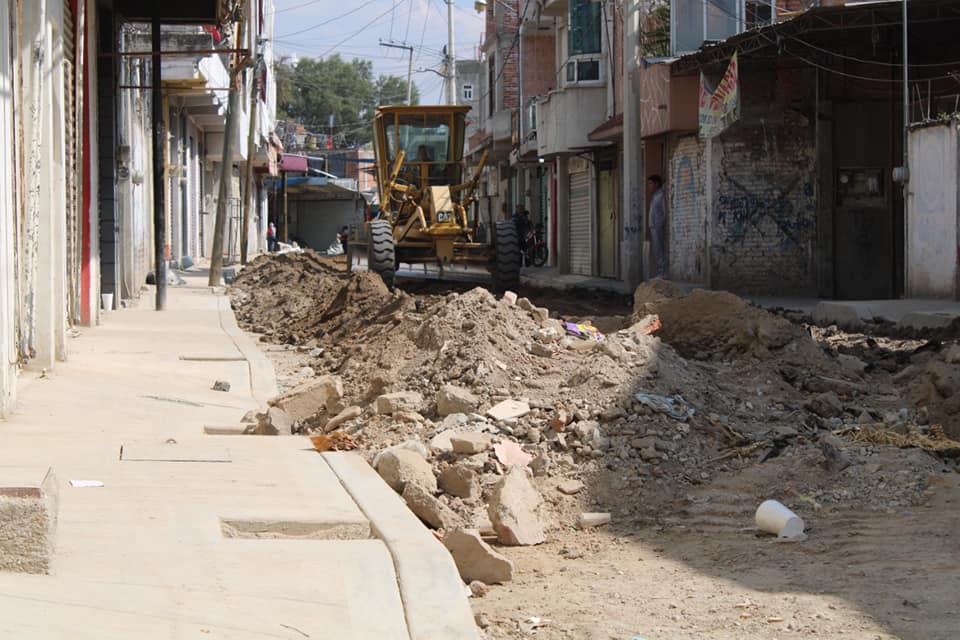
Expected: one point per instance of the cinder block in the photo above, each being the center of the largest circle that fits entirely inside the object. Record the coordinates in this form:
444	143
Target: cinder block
28	520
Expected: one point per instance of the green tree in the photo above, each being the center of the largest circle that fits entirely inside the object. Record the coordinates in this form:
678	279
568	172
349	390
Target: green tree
393	90
311	90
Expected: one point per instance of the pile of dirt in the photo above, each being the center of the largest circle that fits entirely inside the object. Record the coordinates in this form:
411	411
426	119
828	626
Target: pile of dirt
715	323
633	424
296	298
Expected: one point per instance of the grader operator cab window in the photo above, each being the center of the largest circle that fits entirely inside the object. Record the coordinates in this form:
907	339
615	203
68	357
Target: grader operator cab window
426	141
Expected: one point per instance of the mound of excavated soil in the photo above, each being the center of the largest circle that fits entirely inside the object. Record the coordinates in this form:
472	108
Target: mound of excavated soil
294	298
714	322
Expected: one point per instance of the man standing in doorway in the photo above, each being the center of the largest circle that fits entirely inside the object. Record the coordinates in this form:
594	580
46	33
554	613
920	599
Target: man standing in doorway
658	222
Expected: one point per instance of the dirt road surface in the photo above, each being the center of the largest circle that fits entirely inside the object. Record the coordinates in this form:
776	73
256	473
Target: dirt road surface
850	431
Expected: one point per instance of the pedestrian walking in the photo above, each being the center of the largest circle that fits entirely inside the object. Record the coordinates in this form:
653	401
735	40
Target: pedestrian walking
657	221
271	237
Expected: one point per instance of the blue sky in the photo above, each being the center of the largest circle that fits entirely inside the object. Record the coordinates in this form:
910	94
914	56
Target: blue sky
354	28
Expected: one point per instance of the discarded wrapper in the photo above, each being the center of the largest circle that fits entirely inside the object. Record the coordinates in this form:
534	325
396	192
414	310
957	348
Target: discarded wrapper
86	483
583	330
674	407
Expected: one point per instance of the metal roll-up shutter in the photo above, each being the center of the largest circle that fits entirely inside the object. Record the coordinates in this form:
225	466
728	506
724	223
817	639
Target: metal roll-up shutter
580	241
70	104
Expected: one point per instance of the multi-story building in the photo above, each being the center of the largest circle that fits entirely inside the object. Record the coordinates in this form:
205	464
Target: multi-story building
78	214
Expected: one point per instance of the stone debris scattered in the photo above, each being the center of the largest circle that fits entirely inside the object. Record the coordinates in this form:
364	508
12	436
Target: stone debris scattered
476	560
486	413
514	510
401	466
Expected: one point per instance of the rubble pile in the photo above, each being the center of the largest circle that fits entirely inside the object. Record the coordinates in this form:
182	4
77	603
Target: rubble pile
494	419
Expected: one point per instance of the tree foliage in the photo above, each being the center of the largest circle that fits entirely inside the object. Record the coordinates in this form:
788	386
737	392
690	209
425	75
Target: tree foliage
311	90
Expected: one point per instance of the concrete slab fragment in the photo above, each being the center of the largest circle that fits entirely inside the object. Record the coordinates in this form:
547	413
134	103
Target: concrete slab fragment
430	586
28	519
921	320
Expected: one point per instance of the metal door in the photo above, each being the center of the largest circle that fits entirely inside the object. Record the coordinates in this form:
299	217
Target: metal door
606	224
581	262
863	210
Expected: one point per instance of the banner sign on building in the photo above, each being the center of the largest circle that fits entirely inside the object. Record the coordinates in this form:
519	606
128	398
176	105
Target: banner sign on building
720	106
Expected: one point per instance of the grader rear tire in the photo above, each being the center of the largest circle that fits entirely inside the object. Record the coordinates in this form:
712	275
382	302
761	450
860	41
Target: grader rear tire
381	256
507	268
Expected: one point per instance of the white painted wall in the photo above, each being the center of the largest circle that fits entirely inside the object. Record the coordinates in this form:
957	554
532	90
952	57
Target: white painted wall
8	217
932	212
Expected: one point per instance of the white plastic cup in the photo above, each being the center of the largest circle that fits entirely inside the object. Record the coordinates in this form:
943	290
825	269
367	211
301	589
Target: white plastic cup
106	299
775	518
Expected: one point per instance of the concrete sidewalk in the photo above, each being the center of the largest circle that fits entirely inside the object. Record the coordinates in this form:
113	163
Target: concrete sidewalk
199	536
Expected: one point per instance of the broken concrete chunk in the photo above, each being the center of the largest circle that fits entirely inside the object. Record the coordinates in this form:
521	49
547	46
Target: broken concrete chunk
452	399
588	520
825	405
475	559
275	422
508	409
428	508
543	350
842	315
514	510
853	364
348	414
525	304
834	457
440	443
570	487
509	298
470	442
28	521
952	354
391	403
460	481
540	314
398	467
325	392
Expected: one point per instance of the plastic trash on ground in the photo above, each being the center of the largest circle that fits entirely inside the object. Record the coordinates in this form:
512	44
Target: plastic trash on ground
583	330
674	407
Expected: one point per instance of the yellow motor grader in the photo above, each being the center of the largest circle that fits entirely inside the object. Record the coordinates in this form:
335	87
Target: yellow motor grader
426	202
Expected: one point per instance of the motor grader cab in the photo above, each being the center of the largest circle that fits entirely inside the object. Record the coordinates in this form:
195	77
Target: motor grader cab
426	198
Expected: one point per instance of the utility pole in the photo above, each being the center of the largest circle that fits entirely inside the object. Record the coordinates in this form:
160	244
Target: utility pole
159	219
634	184
451	58
409	51
248	177
226	168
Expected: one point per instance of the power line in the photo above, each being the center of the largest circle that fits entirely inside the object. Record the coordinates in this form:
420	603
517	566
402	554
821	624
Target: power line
406	33
333	19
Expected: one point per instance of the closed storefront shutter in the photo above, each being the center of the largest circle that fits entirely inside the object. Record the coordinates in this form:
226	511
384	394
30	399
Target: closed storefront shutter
580	228
71	103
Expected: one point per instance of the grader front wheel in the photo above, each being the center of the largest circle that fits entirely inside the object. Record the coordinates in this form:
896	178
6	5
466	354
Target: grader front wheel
506	273
381	256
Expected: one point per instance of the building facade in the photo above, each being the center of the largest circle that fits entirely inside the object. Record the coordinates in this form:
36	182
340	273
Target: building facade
77	217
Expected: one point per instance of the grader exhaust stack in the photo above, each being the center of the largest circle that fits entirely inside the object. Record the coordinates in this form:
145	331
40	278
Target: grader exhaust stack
426	200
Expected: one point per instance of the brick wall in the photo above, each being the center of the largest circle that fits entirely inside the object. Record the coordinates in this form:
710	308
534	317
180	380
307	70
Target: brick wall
502	27
763	200
687	210
539	65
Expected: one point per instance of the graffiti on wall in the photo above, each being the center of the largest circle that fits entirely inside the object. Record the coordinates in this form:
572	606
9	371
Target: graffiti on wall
786	207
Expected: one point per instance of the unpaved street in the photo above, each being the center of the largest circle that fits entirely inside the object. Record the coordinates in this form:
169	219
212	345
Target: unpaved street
850	431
